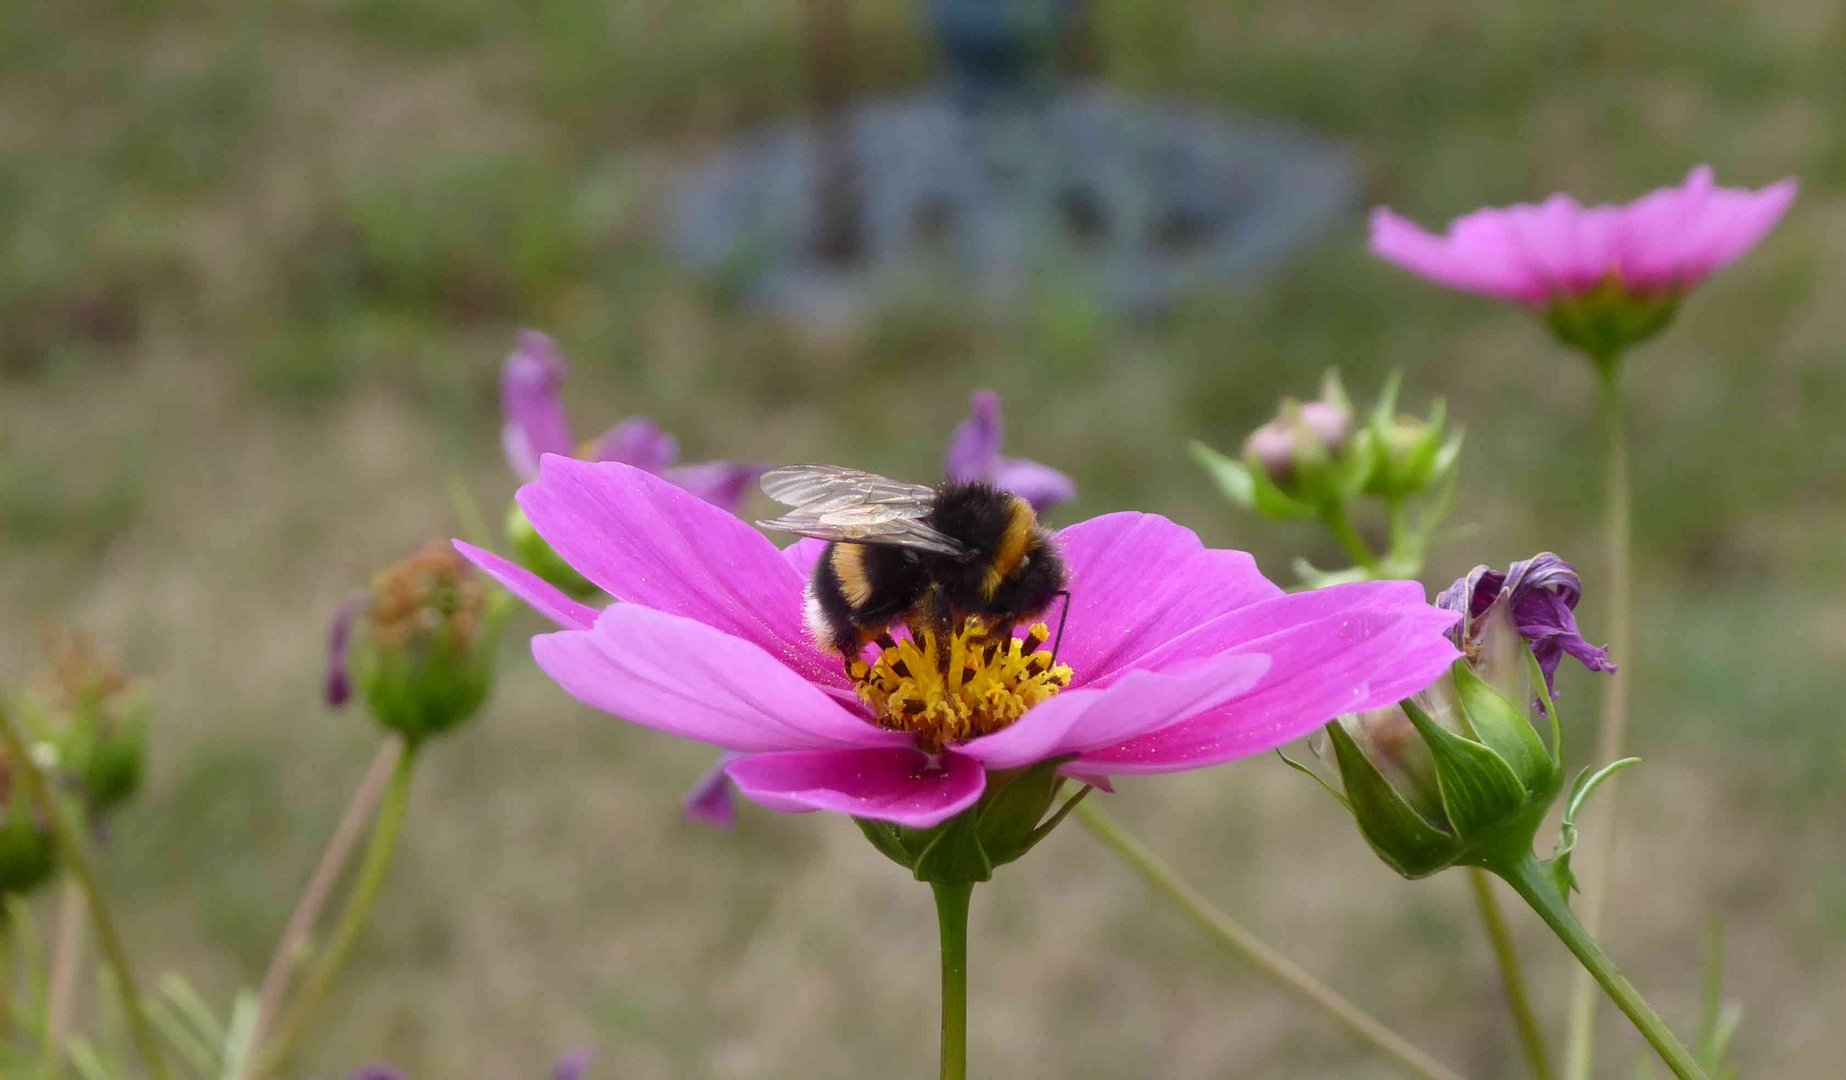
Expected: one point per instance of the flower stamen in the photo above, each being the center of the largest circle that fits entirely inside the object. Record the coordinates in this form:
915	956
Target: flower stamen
986	684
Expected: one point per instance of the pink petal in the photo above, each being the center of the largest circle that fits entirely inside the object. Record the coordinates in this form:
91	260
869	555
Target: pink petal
544	597
680	676
1477	256
902	786
1138	702
1746	218
532	403
724	484
803	554
643	540
1137	581
975	446
1041	485
1323	664
636	441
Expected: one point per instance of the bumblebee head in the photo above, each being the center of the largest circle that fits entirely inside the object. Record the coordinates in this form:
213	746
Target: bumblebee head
1033	580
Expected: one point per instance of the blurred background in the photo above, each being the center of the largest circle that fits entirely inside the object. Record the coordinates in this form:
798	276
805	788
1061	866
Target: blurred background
262	262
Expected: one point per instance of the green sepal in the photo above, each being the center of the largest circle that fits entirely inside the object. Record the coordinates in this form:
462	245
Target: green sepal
1479	789
953	855
1558	866
532	552
1232	478
888	839
1407	842
1009	817
1608	320
1503	728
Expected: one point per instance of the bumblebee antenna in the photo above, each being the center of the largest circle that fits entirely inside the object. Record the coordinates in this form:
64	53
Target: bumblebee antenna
1063	617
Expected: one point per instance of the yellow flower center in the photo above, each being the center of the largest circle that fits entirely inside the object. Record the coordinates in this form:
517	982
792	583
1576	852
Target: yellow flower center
986	684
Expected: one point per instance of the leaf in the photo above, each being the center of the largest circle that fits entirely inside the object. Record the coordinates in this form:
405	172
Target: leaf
1558	866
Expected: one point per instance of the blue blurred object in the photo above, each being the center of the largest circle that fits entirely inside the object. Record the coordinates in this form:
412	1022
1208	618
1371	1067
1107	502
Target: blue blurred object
997	48
1002	174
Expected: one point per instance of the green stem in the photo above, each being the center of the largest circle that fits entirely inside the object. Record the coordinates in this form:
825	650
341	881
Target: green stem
1339	523
1600	826
1165	881
77	864
1512	975
952	916
352	919
1535	887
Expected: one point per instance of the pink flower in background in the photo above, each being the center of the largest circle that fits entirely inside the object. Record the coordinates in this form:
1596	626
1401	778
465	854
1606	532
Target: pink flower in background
1664	242
531	397
1175	656
974	454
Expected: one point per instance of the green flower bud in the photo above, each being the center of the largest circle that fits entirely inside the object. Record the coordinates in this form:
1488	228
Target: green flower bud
424	649
97	720
1410	454
530	551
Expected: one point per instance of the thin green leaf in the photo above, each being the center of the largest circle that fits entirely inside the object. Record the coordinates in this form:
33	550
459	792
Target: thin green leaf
1583	788
193	1008
166	1020
88	1062
242	1029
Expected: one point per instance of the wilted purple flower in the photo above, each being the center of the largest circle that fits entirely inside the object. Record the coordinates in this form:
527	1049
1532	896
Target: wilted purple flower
974	454
1540	594
531	398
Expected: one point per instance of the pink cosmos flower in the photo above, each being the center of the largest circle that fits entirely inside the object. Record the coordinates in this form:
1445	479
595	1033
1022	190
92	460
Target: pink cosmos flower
1175	656
1662	243
531	398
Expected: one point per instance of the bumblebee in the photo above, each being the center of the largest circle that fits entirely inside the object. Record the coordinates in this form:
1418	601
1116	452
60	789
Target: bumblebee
928	557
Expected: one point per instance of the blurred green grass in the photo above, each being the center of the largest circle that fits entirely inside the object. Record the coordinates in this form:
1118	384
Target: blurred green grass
262	261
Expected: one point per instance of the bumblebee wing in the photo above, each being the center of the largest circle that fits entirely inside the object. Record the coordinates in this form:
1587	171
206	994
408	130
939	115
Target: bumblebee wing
849	506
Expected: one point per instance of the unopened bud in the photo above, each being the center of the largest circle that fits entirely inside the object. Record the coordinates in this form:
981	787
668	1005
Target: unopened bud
424	648
532	552
96	720
1296	446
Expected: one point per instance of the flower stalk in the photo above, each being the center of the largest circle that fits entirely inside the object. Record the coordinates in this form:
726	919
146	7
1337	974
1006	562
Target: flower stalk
346	836
952	918
1164	880
77	861
1537	888
1512	975
1612	733
352	920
